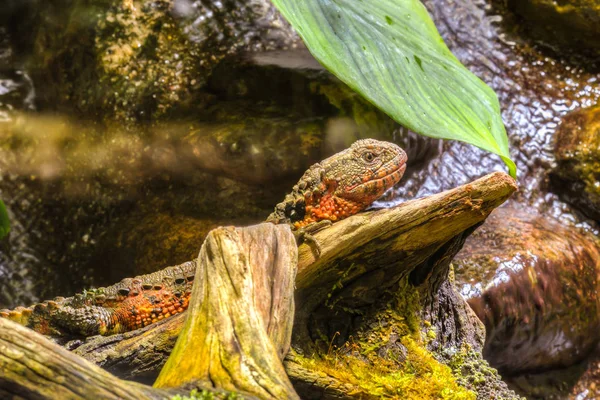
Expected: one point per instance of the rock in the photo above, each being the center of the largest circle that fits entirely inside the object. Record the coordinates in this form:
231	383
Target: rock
138	60
577	148
568	24
534	283
588	384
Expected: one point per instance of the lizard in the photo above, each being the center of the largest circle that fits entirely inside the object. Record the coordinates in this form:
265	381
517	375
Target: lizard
341	185
331	190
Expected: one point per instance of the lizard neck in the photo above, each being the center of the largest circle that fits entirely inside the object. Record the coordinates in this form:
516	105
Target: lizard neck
328	206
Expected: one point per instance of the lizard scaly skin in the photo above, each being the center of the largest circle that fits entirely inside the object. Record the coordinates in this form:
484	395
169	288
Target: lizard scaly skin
125	306
342	185
336	188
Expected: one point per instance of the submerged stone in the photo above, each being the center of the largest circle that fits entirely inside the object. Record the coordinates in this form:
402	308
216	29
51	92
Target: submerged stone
534	283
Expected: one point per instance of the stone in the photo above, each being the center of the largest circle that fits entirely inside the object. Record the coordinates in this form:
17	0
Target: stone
576	177
534	284
568	24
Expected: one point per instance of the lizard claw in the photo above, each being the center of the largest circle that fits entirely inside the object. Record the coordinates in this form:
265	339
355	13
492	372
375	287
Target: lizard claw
314	243
304	235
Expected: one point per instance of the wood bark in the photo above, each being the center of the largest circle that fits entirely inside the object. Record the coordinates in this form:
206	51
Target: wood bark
32	367
369	253
239	321
361	257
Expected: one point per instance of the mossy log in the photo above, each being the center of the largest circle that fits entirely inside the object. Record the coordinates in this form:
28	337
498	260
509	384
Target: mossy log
379	268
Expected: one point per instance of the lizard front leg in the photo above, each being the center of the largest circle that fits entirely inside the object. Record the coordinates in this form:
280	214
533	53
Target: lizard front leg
305	234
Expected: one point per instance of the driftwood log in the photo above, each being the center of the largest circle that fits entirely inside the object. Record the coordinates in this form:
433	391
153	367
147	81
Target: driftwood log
371	268
236	334
240	316
32	367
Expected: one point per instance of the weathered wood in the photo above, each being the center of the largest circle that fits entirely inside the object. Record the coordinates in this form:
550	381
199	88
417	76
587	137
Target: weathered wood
382	247
138	354
32	367
239	321
389	243
362	257
236	333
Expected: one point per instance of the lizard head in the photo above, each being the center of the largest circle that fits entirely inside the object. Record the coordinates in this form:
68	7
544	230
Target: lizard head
367	170
343	184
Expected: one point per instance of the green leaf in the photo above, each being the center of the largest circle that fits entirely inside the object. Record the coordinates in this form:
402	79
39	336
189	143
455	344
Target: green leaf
391	52
4	223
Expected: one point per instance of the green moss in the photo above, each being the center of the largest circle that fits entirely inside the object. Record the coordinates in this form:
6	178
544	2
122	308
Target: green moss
407	371
587	168
421	377
473	372
195	394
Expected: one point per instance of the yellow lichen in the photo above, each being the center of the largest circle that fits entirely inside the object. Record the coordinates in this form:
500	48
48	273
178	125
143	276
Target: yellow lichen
421	377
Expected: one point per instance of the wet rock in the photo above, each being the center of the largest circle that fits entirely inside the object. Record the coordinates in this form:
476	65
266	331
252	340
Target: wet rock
588	385
534	283
573	24
16	89
557	384
140	60
577	148
579	382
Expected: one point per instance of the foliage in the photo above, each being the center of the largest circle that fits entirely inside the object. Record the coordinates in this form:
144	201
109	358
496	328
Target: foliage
4	223
391	52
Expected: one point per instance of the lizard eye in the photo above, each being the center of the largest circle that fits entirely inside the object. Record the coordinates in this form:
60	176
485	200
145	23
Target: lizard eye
368	157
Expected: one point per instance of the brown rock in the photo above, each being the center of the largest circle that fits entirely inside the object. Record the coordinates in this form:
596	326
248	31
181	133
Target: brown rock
573	23
577	150
533	282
